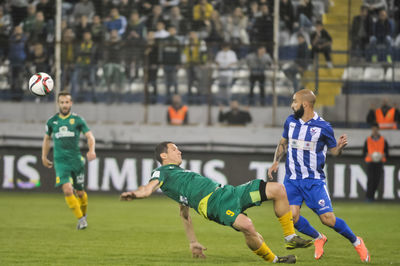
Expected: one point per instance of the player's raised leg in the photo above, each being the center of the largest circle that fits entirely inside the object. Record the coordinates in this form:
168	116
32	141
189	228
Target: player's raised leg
256	242
276	192
342	228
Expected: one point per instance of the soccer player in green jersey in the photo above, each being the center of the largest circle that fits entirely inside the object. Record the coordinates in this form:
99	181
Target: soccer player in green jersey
65	128
222	204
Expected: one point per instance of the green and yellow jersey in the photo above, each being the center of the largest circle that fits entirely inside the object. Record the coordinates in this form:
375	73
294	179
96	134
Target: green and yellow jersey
183	186
65	132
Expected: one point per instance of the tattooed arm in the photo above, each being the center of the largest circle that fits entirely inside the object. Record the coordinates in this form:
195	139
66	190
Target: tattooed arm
280	152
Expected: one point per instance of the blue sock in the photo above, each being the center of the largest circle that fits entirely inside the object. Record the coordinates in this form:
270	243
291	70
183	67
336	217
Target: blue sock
305	227
342	228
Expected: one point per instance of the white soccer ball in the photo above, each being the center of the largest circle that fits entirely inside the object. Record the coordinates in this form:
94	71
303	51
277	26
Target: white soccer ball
376	157
41	84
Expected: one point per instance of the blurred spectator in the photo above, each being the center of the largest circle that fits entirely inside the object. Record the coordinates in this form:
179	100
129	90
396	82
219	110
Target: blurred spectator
375	152
48	10
321	42
125	7
113	68
258	62
382	35
386	116
39	59
83	8
360	31
286	14
305	14
86	54
226	61
186	8
201	12
242	4
67	57
300	64
151	63
38	31
17	56
30	20
235	116
5	28
154	18
178	21
134	45
18	11
82	26
263	29
215	32
97	30
116	22
375	6
195	55
170	52
236	31
161	33
177	113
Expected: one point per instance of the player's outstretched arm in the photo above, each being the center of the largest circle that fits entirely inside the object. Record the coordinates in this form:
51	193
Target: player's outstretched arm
142	192
280	152
45	151
91	154
196	248
341	143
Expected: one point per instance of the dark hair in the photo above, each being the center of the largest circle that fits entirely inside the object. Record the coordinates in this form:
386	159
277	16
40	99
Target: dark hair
63	93
161	148
374	124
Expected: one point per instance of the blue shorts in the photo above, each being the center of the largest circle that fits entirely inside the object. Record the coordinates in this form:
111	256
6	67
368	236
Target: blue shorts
312	191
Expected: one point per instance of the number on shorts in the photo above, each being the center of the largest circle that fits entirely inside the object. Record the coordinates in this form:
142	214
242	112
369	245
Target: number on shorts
80	179
230	213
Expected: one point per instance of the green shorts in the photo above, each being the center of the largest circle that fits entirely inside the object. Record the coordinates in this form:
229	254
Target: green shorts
74	173
227	202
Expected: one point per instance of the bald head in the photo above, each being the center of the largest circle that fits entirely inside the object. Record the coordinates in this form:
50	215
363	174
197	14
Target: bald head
306	95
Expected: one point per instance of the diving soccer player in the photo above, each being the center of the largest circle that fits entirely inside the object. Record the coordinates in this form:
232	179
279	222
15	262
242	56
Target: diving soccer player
65	128
222	204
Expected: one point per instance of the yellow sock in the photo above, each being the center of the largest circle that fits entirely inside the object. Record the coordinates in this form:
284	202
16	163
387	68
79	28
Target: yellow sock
83	201
265	253
286	221
73	204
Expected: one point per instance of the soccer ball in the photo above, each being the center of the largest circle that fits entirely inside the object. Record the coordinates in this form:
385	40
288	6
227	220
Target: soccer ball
41	84
376	157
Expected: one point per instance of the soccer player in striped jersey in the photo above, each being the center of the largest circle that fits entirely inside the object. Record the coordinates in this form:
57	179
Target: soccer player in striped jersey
306	138
222	204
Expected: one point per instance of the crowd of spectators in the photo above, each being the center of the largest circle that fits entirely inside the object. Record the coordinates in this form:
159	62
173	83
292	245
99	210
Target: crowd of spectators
115	39
376	31
112	41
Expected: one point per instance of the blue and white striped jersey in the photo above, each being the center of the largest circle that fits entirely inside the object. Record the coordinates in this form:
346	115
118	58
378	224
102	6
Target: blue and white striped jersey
307	146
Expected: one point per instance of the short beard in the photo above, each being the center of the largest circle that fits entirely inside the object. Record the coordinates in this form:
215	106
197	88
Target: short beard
66	113
299	113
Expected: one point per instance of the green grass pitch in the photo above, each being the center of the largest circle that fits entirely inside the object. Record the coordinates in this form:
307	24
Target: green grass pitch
38	229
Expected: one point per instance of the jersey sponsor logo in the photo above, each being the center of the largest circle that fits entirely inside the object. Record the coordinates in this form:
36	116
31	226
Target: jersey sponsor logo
72	121
55	122
302	144
156	174
183	200
64	133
